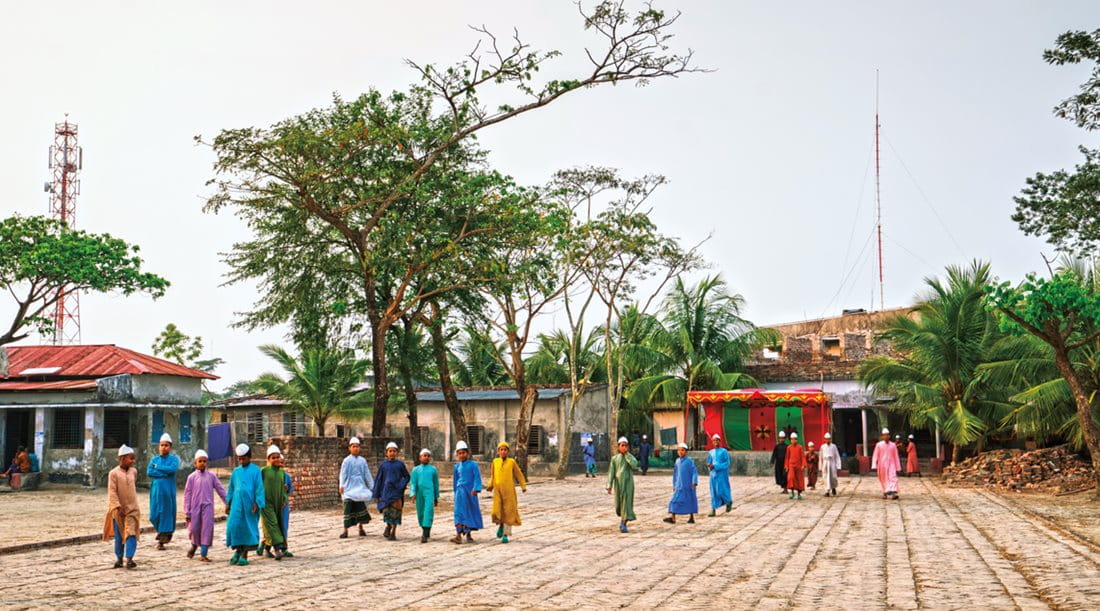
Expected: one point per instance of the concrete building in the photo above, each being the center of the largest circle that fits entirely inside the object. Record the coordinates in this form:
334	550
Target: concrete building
255	419
73	406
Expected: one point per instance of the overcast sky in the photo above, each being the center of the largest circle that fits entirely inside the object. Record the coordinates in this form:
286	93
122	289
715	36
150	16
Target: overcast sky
770	153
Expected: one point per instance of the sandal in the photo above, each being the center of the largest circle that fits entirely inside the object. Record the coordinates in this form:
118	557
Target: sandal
343	535
669	521
130	563
191	552
203	559
457	540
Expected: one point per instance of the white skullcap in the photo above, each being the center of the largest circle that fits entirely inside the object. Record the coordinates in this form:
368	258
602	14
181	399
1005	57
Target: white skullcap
201	454
242	449
273	449
782	434
166	437
809	443
425	451
828	436
124	449
683	445
391	445
622	440
461	446
644	437
885	431
354	440
794	435
910	437
897	436
716	436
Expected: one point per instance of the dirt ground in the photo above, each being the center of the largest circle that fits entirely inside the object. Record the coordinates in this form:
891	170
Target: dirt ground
935	548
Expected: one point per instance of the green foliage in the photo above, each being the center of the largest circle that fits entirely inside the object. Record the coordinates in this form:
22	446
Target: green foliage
477	359
551	363
320	383
177	346
41	258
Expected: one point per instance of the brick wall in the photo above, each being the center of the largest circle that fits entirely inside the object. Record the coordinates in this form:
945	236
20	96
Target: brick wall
799	349
314	465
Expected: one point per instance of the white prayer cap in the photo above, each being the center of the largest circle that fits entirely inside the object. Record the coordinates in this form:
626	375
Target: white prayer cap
273	449
683	445
622	440
391	445
809	443
242	449
897	436
885	431
794	435
201	454
461	446
644	437
782	434
166	437
354	441
910	437
716	436
124	449
425	451
828	435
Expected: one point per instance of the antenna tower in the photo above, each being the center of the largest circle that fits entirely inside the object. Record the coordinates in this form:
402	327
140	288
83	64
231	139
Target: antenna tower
878	207
66	161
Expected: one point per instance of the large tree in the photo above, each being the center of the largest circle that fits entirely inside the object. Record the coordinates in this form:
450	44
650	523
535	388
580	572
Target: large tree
320	383
380	179
42	259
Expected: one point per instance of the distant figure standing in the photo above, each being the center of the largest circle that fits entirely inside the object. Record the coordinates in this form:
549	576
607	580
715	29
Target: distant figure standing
589	458
830	464
912	465
685	477
162	491
718	462
811	465
779	459
886	463
901	451
796	468
645	450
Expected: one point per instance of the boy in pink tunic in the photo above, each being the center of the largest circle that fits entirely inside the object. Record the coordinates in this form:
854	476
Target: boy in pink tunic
886	462
911	464
198	505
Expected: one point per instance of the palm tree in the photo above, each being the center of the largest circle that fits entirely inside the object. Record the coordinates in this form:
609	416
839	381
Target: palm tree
943	342
320	383
551	362
476	361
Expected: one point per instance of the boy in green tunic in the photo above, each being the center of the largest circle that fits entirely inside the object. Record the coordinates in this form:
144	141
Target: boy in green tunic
424	490
620	476
275	497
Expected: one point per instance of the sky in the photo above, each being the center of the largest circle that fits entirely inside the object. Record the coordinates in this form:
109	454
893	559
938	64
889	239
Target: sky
768	157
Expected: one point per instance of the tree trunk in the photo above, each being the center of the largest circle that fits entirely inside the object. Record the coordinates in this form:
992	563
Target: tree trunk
528	397
450	398
1084	410
410	391
565	443
320	424
381	385
954	453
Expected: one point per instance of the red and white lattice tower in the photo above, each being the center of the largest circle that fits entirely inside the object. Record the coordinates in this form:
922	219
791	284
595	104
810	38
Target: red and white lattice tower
66	161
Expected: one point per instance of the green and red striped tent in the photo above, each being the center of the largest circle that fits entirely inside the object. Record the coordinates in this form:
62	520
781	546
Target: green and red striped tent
750	418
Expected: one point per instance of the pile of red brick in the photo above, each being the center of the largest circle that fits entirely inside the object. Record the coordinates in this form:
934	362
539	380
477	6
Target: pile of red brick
1052	470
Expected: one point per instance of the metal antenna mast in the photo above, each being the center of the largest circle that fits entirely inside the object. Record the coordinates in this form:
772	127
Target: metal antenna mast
66	161
878	207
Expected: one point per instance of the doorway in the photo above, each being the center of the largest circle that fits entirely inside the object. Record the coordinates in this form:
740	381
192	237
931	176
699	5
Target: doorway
18	431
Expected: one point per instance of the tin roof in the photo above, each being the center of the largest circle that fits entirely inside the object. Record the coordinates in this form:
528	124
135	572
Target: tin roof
47	363
13	386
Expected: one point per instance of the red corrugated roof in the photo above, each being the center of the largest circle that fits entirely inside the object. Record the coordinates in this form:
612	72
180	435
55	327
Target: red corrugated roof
95	361
53	385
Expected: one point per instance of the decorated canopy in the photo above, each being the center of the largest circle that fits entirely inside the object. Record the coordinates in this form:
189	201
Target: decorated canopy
751	418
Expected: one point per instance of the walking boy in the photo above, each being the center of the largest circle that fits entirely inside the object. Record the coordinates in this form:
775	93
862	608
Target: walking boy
830	464
811	465
645	451
502	483
620	476
244	500
779	459
389	490
886	463
123	516
685	477
796	468
718	462
162	491
589	458
467	485
275	501
198	506
356	488
424	491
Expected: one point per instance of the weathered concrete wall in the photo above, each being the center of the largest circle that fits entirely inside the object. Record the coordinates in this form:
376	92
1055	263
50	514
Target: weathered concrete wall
150	388
47	398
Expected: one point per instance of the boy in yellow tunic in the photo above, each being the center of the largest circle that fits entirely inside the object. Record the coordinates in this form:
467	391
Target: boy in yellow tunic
502	483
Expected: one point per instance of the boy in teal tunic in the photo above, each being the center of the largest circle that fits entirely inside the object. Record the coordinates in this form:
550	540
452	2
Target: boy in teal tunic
424	490
162	491
245	499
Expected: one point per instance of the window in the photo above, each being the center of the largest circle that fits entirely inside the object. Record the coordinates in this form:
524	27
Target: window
158	427
294	424
475	438
536	440
255	427
68	428
421	440
340	431
116	428
185	427
830	346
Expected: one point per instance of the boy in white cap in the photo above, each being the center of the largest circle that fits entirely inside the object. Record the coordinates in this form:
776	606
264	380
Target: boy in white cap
162	490
123	515
467	485
589	451
887	464
424	491
685	477
389	490
356	488
795	462
620	476
718	462
830	464
504	475
198	505
244	500
779	460
275	501
812	464
912	465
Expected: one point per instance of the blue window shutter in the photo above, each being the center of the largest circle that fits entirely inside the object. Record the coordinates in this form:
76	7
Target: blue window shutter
158	426
185	427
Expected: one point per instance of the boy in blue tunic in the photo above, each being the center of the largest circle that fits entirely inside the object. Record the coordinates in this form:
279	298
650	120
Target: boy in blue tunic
424	491
685	478
162	491
589	459
718	462
467	484
389	490
244	500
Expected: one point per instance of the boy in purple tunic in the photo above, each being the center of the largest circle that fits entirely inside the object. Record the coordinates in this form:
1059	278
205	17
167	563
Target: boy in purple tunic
198	506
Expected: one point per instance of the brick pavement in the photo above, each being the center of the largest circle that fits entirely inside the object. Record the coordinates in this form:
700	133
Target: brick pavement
935	548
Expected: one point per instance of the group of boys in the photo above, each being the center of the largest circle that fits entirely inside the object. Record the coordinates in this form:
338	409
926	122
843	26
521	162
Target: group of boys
795	464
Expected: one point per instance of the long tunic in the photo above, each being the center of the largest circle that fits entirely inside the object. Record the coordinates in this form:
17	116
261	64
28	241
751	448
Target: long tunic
620	477
467	479
502	482
390	482
286	509
719	461
811	467
911	464
779	456
887	464
122	504
684	479
830	465
162	492
795	461
198	505
424	487
645	450
275	500
355	479
589	456
246	488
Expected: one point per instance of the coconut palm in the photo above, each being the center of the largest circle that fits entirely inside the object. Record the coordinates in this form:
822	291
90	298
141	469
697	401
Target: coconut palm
551	362
320	383
476	360
943	342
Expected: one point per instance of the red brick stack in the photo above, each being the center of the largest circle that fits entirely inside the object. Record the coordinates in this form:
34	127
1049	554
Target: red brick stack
314	465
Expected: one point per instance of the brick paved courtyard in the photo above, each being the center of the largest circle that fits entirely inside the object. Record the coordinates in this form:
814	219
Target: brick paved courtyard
936	548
